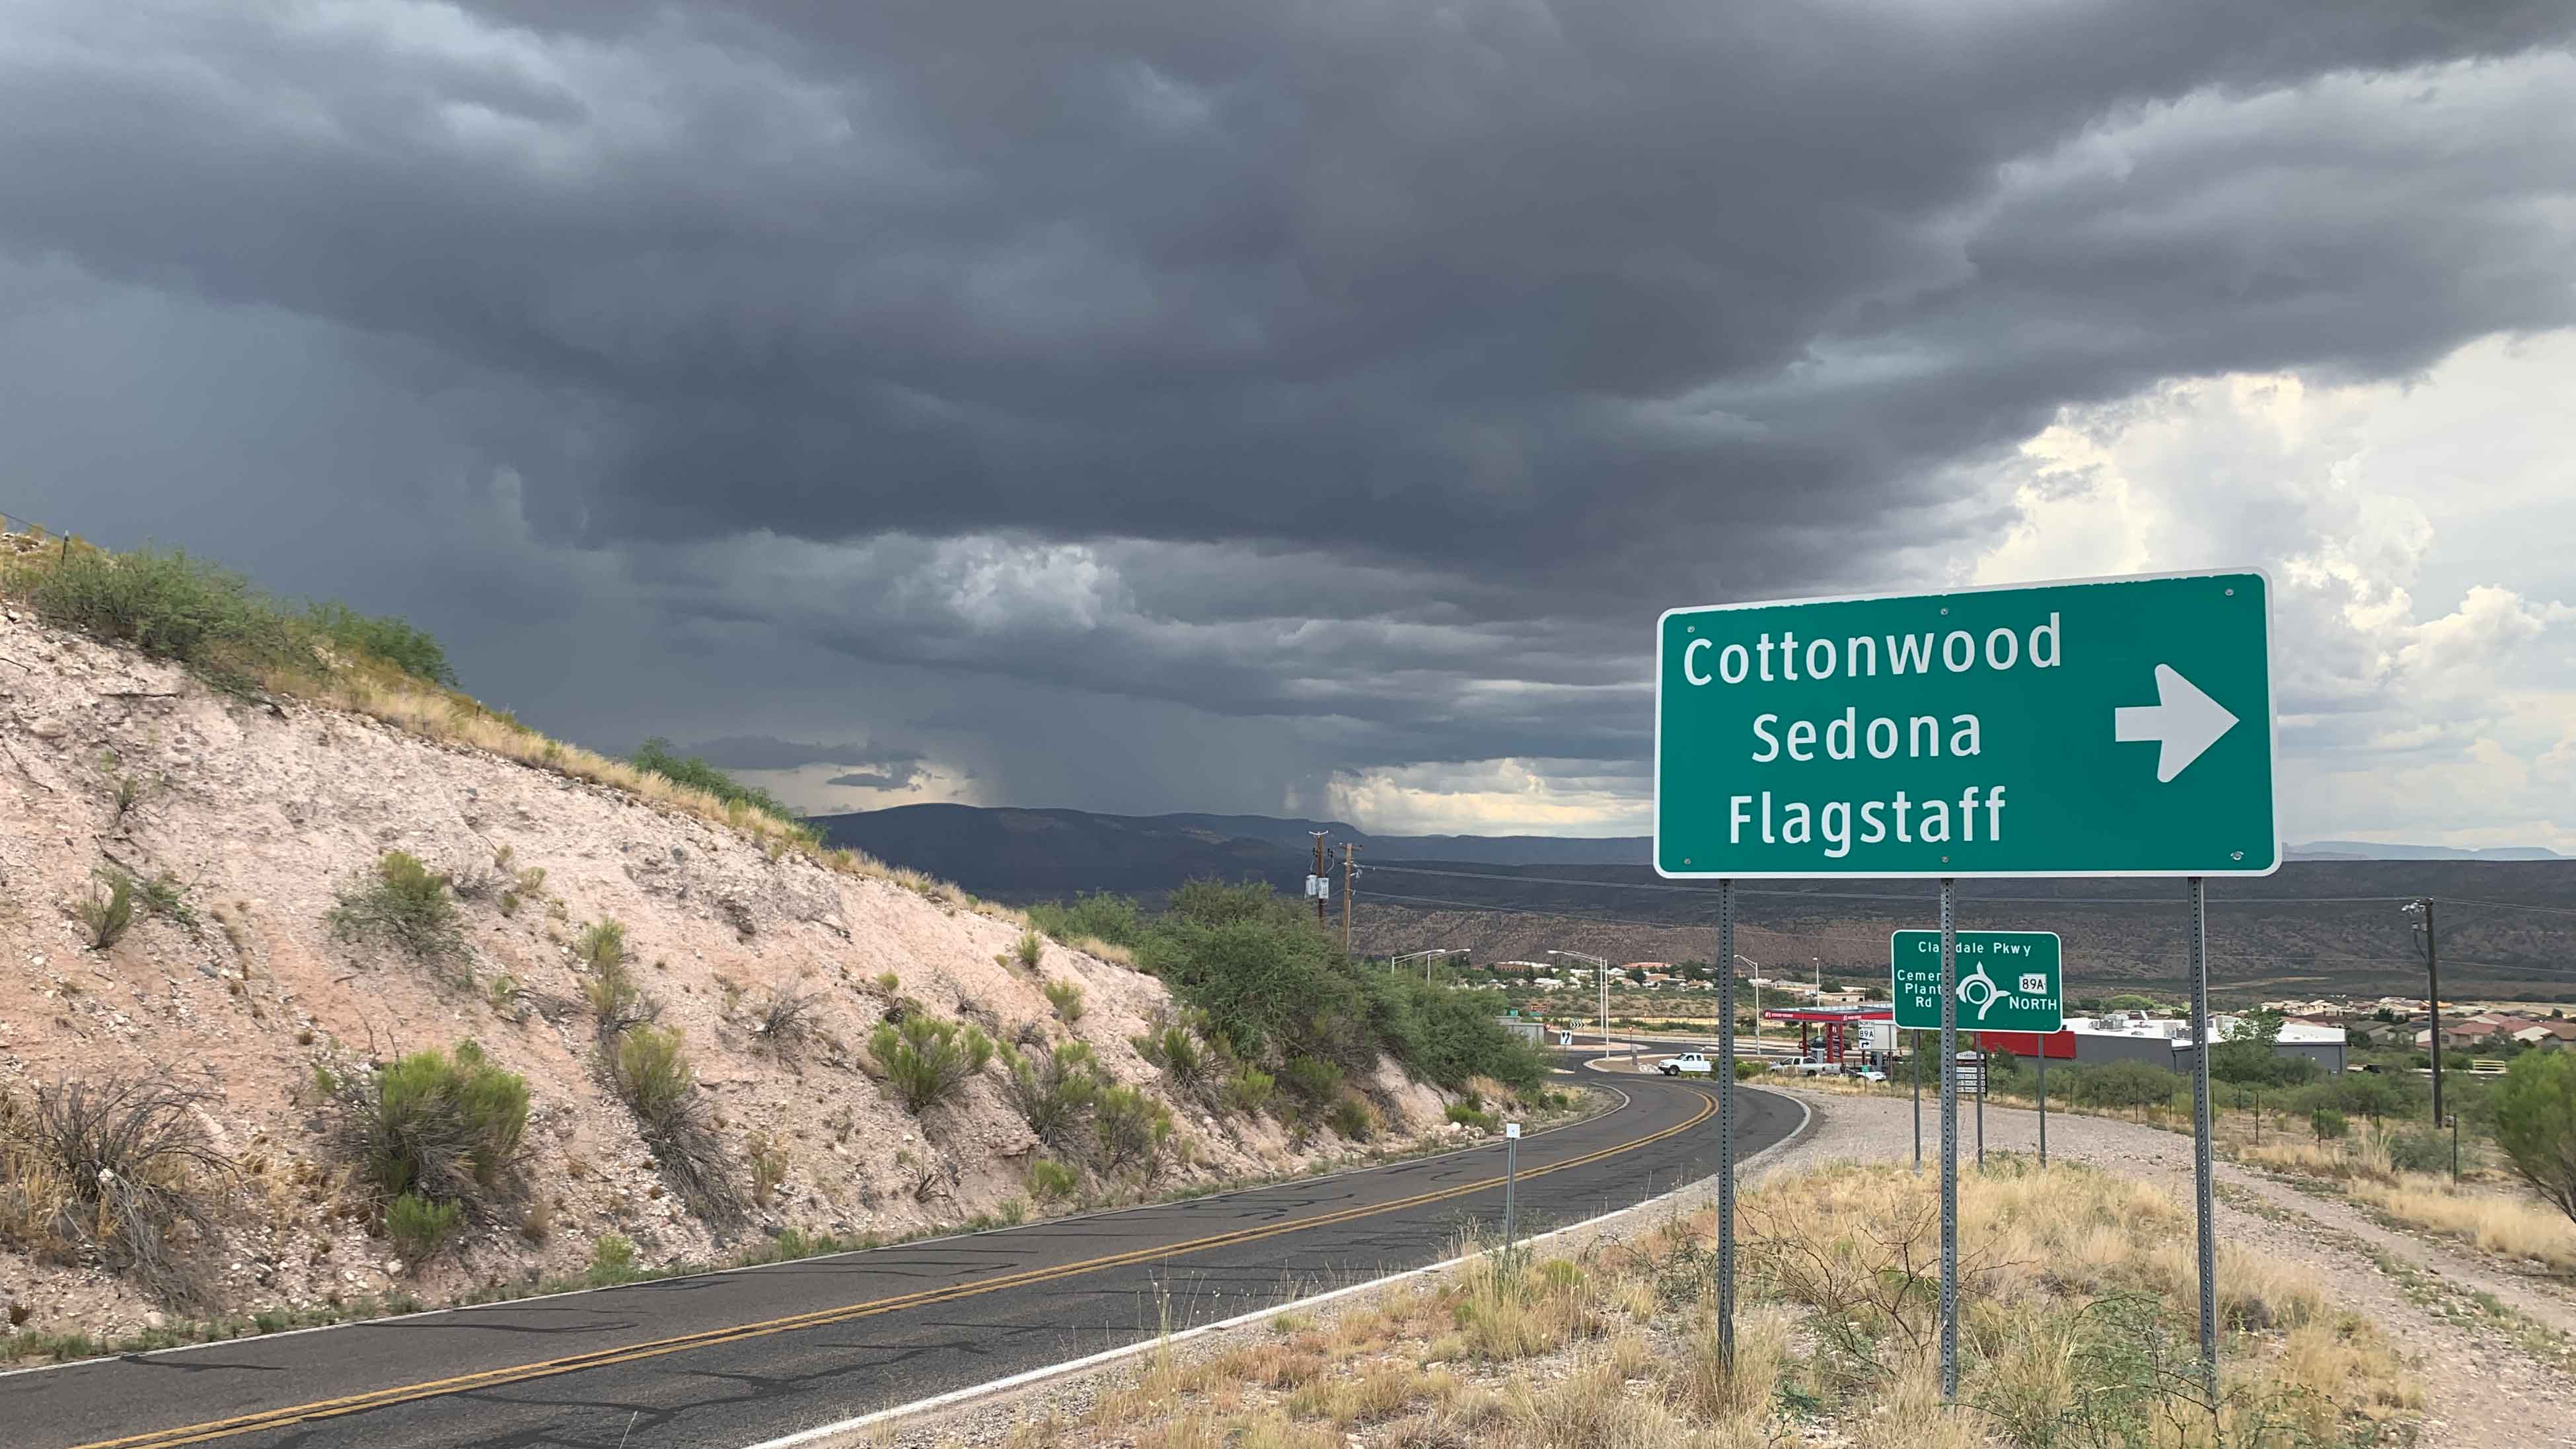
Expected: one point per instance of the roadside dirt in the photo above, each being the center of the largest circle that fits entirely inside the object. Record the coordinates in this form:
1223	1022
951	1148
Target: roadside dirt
2503	1379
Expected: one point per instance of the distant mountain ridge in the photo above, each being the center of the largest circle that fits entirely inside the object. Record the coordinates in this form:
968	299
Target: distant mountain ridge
1012	853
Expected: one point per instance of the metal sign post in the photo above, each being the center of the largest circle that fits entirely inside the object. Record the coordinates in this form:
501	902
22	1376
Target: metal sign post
1726	1123
2043	1102
1949	1142
1511	1180
2203	1194
1914	1049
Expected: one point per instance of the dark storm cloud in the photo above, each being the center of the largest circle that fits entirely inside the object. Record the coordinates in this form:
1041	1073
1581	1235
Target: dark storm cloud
1381	368
892	777
766	752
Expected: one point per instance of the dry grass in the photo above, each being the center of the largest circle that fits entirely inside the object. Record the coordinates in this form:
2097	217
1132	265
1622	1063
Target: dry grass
2078	1305
2510	1223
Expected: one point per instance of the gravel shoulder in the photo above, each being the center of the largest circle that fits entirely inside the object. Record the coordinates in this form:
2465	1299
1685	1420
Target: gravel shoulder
2494	1350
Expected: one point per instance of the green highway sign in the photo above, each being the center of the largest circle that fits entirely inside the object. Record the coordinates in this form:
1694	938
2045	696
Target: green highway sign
2110	727
2008	980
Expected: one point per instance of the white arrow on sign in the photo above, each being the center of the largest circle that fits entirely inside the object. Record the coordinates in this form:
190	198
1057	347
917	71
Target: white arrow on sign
2184	720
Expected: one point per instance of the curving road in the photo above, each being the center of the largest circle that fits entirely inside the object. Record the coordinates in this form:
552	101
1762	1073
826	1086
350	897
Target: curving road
728	1359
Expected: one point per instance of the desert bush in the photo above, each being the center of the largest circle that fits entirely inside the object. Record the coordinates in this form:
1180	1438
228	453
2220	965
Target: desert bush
1101	917
164	896
505	995
648	1067
2535	1124
1027	949
1052	1089
419	1227
1177	1048
2425	1152
1312	1084
1745	1070
405	904
1066	998
656	757
1447	1034
2328	1123
888	982
1468	1116
768	1167
1249	1090
168	605
601	944
1052	1181
612	1260
109	910
2126	1084
1352	1118
924	1059
617	1000
1130	1129
413	651
112	1171
442	1128
786	1020
1265	978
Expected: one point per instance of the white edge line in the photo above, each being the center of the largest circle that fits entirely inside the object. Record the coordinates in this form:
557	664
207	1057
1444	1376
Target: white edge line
953	1397
443	1310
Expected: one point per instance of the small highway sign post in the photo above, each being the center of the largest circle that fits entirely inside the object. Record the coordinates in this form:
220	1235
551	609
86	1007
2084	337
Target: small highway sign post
2012	981
2106	727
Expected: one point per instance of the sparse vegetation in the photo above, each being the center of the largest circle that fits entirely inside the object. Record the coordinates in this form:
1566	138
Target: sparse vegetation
1066	998
1352	1118
1103	918
924	1059
1026	950
109	910
1312	1084
768	1167
1186	1059
786	1020
2535	1125
888	982
407	905
612	1261
163	896
648	1067
657	757
116	1171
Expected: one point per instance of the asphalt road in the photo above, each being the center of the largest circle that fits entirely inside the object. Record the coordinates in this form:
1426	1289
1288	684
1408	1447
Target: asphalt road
729	1359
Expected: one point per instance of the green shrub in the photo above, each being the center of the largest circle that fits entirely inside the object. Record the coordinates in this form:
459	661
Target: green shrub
2126	1084
2329	1123
2365	1094
1263	976
1027	950
925	1059
1447	1034
655	755
396	642
2534	1114
419	1228
1052	1089
2419	1152
1351	1117
1467	1116
1177	1049
164	896
1051	1181
1747	1069
888	982
601	944
1102	917
648	1067
612	1260
1066	998
1310	1082
109	911
1249	1090
434	1126
406	904
1131	1129
168	605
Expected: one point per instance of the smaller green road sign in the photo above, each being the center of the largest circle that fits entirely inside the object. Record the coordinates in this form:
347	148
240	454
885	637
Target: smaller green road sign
2008	980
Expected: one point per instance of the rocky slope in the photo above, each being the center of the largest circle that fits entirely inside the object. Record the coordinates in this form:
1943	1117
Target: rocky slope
262	814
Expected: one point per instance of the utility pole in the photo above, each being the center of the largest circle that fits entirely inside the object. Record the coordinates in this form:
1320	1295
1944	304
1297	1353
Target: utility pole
1320	879
1348	870
2422	910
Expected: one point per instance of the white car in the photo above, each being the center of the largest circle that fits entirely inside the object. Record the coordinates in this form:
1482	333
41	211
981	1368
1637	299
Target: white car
1688	1064
1869	1074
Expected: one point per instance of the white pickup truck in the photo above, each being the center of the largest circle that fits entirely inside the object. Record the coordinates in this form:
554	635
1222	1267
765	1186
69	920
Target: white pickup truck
1688	1064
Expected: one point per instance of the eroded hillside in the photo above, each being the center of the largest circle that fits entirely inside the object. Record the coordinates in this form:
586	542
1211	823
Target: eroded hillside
247	821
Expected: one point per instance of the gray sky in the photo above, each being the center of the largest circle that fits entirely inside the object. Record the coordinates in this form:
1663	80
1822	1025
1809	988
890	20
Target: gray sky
1229	405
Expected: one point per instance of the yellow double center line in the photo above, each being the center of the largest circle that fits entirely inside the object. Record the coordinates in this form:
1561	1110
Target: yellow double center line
630	1353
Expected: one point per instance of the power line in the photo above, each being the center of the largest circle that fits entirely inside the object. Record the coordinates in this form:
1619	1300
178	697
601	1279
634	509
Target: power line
2506	906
